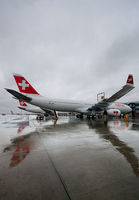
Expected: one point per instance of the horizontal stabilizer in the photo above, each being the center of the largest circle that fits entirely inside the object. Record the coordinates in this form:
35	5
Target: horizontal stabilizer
18	95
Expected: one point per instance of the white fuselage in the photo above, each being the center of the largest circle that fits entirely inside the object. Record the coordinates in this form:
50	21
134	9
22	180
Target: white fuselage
70	105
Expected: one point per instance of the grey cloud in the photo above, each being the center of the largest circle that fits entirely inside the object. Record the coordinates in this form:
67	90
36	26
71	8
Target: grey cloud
69	49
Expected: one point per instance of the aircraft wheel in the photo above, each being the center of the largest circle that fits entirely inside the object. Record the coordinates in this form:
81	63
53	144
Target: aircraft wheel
80	116
42	117
93	116
105	112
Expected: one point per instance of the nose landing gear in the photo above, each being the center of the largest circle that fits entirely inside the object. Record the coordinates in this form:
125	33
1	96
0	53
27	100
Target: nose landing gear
55	117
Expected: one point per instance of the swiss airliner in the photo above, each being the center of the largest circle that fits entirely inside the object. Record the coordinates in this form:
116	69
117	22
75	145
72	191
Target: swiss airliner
107	106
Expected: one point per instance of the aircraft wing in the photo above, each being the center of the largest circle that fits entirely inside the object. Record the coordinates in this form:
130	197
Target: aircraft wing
125	89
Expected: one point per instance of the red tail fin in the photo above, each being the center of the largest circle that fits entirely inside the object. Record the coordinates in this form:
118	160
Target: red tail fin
130	79
23	85
22	103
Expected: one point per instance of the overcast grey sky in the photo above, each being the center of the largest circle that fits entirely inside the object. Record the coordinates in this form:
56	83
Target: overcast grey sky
69	49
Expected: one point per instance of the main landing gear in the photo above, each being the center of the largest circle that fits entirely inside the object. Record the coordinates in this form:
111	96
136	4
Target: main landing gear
40	117
91	116
55	117
80	116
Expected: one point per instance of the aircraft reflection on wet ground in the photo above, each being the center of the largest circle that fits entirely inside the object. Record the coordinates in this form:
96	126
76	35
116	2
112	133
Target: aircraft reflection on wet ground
101	127
89	158
106	133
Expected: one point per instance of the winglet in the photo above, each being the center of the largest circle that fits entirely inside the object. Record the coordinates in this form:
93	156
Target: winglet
130	80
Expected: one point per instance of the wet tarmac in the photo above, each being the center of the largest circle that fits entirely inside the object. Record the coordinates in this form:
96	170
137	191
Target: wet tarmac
68	159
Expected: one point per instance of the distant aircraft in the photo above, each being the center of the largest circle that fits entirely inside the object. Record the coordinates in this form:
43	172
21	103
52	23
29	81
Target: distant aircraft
12	112
106	106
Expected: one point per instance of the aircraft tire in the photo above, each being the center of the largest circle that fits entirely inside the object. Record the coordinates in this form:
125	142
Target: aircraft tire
93	116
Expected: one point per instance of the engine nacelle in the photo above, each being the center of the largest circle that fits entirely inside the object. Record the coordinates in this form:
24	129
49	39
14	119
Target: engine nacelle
114	112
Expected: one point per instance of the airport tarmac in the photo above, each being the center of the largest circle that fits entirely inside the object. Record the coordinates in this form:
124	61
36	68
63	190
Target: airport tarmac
68	159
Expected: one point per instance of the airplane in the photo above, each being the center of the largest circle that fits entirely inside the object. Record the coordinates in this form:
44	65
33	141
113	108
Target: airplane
106	106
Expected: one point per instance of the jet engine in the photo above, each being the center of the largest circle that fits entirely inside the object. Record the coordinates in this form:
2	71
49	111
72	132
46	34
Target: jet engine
114	112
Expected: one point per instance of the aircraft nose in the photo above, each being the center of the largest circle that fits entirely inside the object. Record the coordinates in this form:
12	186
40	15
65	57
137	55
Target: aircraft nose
129	109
